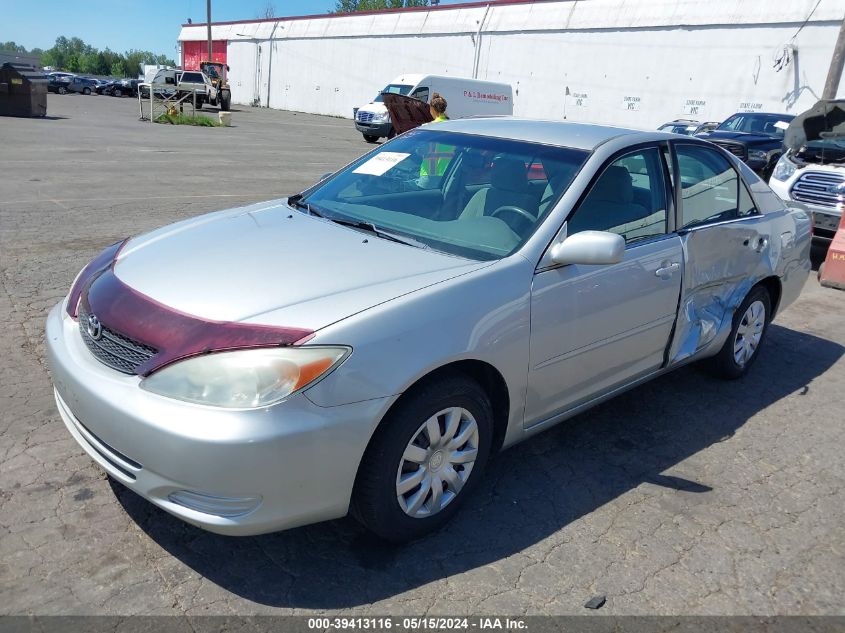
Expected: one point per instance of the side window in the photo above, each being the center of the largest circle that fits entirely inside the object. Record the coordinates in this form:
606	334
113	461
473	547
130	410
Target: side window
710	187
629	198
420	93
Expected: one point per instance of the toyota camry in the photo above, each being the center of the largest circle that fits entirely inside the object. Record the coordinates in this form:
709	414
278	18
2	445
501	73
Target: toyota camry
367	344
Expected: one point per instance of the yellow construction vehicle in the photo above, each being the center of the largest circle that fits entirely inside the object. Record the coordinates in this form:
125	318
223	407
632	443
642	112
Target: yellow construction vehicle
217	73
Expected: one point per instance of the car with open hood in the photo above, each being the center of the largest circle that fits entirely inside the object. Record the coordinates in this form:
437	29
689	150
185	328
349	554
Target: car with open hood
812	170
756	138
367	344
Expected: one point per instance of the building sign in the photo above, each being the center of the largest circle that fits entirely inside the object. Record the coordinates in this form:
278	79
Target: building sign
750	106
631	103
485	96
578	99
694	107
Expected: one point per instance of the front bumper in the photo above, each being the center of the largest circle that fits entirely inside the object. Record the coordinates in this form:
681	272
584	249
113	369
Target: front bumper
226	471
373	129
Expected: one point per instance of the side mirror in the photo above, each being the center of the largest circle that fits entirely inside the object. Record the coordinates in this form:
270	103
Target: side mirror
326	175
589	247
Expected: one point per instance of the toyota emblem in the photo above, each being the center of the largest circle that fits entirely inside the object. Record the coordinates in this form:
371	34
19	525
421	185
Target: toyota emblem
95	328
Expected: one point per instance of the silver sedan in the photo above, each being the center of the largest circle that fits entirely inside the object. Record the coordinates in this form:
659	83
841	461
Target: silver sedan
368	344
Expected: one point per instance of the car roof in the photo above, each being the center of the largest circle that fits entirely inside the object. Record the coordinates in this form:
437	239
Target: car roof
562	133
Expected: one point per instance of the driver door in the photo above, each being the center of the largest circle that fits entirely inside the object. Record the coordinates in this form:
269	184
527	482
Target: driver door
595	328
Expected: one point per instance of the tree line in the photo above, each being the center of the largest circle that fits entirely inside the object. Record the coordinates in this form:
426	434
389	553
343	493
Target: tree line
350	6
74	55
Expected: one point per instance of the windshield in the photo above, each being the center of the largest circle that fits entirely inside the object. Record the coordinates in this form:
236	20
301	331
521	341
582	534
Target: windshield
471	196
399	89
754	123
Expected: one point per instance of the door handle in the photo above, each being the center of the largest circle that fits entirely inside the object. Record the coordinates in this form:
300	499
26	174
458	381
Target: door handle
666	271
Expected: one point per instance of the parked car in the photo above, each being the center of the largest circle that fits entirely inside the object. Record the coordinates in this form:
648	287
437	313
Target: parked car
223	369
194	81
812	170
58	84
82	85
105	86
688	127
707	126
125	88
61	75
754	137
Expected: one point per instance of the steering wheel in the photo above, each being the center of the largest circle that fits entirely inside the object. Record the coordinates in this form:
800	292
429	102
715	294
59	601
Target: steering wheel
514	209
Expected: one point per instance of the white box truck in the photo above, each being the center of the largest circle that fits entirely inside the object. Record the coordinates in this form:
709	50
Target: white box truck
465	97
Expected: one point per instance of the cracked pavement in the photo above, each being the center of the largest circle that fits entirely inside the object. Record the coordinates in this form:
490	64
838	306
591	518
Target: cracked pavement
685	496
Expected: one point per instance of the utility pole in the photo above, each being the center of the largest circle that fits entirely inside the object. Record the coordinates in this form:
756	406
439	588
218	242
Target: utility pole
834	74
208	23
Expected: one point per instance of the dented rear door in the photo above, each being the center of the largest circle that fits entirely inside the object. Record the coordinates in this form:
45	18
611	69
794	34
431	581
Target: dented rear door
726	243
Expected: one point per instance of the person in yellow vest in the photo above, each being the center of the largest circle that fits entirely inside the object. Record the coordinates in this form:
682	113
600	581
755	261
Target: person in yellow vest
436	161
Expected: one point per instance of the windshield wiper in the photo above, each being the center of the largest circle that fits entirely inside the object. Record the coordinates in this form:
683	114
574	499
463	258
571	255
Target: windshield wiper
372	228
296	201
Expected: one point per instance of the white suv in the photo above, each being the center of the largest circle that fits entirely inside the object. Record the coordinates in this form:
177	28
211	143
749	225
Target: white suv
812	170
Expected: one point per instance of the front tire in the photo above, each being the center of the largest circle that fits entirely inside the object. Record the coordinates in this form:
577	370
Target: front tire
750	324
62	90
86	91
370	138
426	458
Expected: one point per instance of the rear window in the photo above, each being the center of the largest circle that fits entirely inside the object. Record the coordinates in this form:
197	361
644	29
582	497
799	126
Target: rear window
195	78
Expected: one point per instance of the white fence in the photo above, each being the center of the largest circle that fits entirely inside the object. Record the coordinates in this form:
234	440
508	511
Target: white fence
634	63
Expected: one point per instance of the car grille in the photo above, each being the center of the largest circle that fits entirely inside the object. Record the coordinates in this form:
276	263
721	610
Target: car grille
365	117
812	188
737	149
113	349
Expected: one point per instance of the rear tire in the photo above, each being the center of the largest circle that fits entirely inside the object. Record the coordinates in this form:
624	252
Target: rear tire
370	138
425	459
62	90
117	92
225	101
86	91
750	324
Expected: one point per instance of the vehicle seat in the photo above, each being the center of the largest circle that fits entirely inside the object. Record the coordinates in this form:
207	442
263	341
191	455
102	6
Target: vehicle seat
508	187
609	205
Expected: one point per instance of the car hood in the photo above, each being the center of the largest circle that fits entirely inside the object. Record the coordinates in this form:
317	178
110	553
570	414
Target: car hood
744	137
825	120
274	265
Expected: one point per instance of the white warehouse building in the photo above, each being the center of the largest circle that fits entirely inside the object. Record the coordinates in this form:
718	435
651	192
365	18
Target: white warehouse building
635	63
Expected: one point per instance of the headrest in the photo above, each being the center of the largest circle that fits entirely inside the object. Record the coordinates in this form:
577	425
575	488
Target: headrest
509	174
614	185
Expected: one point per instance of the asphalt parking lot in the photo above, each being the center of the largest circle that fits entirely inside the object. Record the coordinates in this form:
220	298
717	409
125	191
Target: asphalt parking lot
685	496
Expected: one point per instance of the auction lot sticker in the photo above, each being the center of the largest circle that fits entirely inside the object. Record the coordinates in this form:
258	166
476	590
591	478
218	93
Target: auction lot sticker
380	163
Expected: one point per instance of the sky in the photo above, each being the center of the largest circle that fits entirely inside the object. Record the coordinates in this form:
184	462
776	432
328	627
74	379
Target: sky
149	25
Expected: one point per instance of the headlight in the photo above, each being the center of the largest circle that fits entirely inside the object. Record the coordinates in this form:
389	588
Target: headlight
757	154
245	379
381	117
784	169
